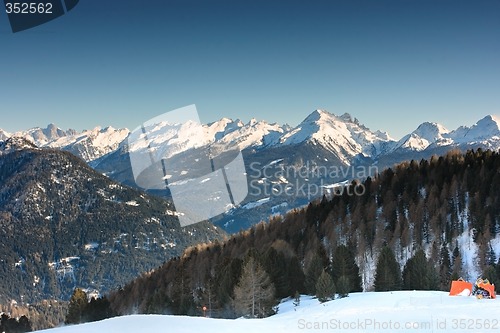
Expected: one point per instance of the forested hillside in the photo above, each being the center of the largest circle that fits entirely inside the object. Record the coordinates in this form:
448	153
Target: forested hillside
63	225
442	213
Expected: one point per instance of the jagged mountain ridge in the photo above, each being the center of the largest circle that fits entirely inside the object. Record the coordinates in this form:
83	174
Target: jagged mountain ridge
88	144
322	141
63	225
344	135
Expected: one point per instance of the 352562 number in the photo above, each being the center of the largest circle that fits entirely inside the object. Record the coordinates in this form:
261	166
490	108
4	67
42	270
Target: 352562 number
28	8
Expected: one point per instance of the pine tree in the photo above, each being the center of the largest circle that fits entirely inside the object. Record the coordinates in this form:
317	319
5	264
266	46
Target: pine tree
254	293
227	275
344	286
457	269
276	264
24	325
490	273
313	272
445	270
345	265
419	274
325	287
388	273
77	305
97	309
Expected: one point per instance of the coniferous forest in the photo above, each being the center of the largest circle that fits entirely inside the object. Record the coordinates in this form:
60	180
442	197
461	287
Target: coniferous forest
417	225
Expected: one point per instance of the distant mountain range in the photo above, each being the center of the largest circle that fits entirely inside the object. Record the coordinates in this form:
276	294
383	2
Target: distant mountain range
339	146
88	144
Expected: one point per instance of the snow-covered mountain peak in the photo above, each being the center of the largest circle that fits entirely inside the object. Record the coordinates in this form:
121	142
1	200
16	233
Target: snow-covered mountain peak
341	135
89	144
431	131
252	122
317	115
347	118
42	136
485	129
426	134
253	134
15	143
489	124
383	135
4	135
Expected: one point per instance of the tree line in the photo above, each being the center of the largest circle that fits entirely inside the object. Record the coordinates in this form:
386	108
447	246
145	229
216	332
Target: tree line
13	325
408	222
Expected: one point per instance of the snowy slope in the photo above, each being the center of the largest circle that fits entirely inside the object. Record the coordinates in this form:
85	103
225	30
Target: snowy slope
425	135
89	144
340	134
485	132
170	139
403	311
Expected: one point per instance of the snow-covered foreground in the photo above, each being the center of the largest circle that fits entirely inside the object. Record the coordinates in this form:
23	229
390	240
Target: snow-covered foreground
403	311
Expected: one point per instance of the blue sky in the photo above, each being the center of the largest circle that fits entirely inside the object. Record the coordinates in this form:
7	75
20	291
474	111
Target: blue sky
391	64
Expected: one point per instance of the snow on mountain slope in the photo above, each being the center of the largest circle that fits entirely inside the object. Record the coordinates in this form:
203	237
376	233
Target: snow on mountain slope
4	135
89	144
43	136
15	144
400	311
167	140
253	134
340	134
484	130
425	135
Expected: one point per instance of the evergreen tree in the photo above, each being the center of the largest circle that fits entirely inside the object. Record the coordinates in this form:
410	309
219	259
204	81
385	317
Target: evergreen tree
276	264
254	293
313	273
77	305
325	287
227	275
24	325
182	296
490	273
388	273
419	274
457	270
345	265
97	309
11	325
344	286
295	275
445	270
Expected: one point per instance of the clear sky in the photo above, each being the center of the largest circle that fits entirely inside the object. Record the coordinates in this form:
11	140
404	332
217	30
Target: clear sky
391	64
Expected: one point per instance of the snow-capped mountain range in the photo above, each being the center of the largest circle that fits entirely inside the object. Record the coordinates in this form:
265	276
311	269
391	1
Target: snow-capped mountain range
342	135
322	140
485	132
88	144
